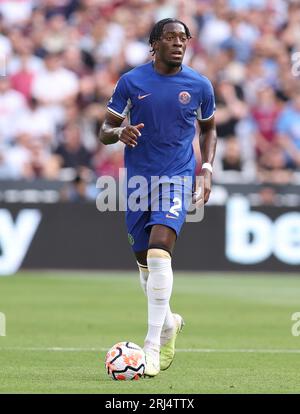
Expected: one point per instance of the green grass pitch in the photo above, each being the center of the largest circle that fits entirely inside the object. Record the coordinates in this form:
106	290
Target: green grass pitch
237	337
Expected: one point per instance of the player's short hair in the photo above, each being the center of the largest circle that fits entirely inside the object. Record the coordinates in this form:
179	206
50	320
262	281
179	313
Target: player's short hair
158	28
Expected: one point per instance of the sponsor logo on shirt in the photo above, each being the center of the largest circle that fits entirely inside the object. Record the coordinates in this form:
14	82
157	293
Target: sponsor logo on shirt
143	96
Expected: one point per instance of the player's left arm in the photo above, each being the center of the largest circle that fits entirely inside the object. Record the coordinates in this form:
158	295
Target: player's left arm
208	143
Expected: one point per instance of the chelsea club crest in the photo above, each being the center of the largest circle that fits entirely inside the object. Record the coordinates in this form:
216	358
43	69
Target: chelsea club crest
184	97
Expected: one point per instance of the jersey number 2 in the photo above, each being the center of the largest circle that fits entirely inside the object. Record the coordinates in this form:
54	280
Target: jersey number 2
177	206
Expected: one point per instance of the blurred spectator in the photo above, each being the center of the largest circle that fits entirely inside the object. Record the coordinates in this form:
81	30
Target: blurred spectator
241	39
16	11
71	153
231	160
74	61
216	29
79	190
5	44
55	38
36	122
109	159
268	196
55	86
29	159
272	167
291	32
12	106
232	164
230	108
288	128
24	66
265	113
24	58
136	51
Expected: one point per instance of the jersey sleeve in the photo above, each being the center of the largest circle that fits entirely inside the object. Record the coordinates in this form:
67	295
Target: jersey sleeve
120	103
207	106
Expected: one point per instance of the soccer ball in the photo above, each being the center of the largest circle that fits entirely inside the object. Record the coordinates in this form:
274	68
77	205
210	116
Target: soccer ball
125	361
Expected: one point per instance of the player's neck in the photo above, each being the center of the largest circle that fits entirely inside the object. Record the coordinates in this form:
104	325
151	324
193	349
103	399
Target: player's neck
163	69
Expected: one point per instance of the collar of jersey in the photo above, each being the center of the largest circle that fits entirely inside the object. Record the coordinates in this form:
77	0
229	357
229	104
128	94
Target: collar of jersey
161	74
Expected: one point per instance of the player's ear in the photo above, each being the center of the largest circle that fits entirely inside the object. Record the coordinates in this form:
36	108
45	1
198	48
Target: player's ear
155	46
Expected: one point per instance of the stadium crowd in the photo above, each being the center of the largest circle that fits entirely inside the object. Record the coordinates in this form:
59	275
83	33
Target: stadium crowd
60	60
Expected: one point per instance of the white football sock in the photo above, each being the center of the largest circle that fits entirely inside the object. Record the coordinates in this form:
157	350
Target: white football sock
159	289
144	274
169	319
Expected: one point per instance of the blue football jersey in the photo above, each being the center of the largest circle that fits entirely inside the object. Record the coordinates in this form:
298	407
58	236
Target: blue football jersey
168	106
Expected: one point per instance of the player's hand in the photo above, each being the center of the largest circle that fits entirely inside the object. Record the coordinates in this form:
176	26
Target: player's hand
207	179
197	198
129	134
202	188
198	193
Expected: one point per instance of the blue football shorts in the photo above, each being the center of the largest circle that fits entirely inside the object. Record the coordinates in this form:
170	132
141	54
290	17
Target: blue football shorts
166	204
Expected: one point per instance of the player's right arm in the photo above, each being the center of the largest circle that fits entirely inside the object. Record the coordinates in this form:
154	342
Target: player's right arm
117	109
112	132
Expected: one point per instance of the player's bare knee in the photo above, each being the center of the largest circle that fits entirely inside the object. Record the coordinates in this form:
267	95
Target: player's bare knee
158	253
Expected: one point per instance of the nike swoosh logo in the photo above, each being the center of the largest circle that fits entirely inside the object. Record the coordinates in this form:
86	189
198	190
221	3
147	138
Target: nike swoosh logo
144	96
168	216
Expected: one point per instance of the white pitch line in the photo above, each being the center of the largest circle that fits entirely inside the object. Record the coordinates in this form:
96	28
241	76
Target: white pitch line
187	350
